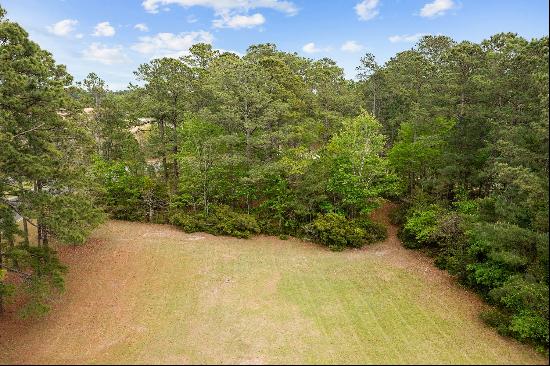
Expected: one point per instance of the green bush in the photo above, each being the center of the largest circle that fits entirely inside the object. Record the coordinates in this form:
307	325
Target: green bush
337	232
221	220
420	227
497	319
188	222
398	215
526	326
224	221
374	231
527	301
530	327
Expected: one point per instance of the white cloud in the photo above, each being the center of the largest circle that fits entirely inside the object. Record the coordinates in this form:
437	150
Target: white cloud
141	27
367	9
239	21
229	13
104	29
63	28
351	46
406	37
79	36
191	19
152	6
105	55
436	8
170	44
312	48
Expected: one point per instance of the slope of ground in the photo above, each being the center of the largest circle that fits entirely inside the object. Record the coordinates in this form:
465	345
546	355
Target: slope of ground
141	293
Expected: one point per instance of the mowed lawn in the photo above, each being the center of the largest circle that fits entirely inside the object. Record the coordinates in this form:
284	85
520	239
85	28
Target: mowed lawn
142	293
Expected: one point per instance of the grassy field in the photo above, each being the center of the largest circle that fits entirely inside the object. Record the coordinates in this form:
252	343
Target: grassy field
140	293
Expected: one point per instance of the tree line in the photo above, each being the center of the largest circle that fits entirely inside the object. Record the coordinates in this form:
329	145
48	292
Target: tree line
271	142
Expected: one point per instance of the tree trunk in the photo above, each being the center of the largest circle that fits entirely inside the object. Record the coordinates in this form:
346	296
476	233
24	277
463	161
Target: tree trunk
150	203
462	103
175	148
248	145
205	190
38	221
25	225
25	233
163	151
41	231
374	101
175	151
44	237
1	280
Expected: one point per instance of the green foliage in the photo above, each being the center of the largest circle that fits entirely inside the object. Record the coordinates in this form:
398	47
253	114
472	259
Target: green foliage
221	220
45	278
526	326
6	289
497	319
421	226
506	263
398	215
419	149
122	191
529	326
358	173
224	221
188	222
45	159
128	194
337	232
77	209
526	301
374	231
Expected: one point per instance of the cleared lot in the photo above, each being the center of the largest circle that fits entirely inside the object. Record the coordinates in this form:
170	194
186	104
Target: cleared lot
140	293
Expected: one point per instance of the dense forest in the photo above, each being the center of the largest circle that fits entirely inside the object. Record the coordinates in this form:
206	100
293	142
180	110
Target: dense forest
274	143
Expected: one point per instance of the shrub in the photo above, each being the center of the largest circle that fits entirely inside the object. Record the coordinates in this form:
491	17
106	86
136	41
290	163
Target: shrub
224	221
337	232
497	319
188	222
374	231
420	227
220	221
332	230
527	301
398	215
526	326
531	327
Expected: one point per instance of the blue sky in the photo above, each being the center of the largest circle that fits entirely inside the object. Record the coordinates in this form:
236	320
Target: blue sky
112	37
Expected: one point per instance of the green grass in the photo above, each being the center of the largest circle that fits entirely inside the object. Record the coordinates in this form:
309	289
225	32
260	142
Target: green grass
145	293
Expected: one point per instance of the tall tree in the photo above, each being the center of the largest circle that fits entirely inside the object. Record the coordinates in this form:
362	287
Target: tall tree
43	161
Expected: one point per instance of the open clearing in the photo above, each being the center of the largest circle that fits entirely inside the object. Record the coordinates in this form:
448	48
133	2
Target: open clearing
142	293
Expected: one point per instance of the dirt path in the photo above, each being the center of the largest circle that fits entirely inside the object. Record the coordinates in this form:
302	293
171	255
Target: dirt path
393	252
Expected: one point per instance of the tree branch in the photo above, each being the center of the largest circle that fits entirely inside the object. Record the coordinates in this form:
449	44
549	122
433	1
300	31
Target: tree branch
20	273
10	205
25	132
